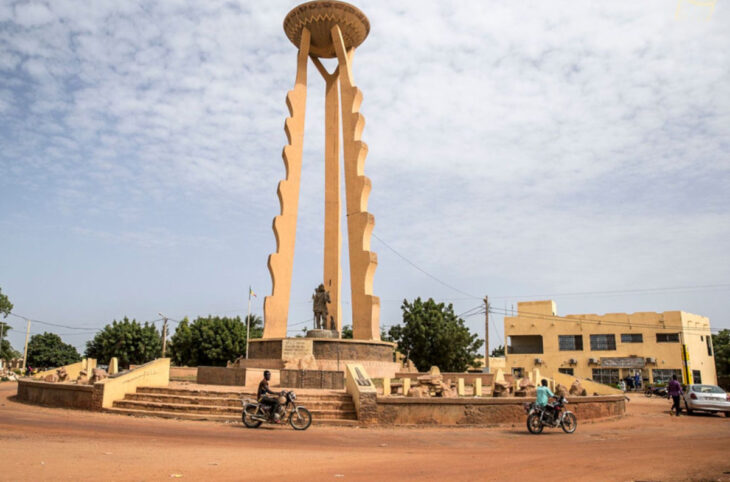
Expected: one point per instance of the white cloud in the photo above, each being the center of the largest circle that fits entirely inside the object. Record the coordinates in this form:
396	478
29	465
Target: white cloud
32	14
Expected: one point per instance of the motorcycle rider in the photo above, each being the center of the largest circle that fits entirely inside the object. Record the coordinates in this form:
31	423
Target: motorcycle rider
543	395
266	397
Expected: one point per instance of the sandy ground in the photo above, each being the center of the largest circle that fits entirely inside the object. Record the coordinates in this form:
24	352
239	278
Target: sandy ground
648	444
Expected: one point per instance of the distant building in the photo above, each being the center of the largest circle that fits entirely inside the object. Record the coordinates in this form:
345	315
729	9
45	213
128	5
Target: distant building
607	348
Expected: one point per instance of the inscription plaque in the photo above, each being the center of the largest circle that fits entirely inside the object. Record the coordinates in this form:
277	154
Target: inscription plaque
293	348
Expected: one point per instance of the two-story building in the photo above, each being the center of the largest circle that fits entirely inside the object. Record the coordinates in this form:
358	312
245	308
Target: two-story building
607	348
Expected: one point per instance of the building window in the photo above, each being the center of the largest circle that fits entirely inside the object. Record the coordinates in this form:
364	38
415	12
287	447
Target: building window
696	376
518	372
525	344
603	342
632	338
570	342
667	337
567	371
607	376
708	340
662	376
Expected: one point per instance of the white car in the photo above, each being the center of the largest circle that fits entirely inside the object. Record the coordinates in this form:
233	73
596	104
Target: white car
707	398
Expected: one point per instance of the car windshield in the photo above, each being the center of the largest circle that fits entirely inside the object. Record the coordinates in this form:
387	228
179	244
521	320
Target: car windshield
707	389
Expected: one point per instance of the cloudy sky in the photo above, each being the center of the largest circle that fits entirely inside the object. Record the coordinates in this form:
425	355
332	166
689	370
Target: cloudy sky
524	150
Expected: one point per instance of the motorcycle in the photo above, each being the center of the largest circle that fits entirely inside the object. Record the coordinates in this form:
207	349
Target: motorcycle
255	413
539	417
656	391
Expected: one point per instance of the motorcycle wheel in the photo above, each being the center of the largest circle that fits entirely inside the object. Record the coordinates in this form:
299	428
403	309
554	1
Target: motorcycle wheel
569	423
648	393
247	417
300	419
534	425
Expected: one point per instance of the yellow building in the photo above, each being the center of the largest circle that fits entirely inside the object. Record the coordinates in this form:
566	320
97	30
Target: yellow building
607	348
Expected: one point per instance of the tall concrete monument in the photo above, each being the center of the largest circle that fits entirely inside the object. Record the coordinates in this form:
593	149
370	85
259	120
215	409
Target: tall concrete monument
327	29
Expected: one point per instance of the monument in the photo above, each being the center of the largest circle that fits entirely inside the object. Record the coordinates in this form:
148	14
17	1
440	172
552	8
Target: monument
325	29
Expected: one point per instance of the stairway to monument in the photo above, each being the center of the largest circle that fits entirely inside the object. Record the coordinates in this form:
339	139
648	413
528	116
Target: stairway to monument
328	409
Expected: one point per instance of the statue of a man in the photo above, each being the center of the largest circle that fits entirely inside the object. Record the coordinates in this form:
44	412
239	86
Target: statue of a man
319	306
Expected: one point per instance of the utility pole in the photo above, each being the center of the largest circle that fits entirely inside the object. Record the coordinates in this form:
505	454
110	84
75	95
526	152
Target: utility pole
164	334
25	350
248	320
2	335
486	334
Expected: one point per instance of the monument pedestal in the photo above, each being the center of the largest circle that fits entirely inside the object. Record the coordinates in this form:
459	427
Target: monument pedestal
327	354
318	333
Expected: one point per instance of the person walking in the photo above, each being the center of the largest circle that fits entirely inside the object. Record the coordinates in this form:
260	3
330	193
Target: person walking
675	391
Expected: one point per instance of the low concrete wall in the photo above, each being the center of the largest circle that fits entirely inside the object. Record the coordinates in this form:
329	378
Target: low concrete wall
234	376
153	374
313	379
221	376
100	395
484	411
188	374
65	395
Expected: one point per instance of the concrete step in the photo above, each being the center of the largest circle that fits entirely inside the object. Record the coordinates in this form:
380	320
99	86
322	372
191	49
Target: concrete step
327	396
220	410
221	418
232	401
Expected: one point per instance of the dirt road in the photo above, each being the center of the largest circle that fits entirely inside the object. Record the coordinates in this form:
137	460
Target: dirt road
55	444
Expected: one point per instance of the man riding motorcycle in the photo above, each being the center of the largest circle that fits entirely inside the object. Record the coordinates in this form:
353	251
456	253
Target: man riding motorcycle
544	394
266	397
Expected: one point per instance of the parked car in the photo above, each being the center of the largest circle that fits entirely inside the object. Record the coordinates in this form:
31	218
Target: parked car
707	398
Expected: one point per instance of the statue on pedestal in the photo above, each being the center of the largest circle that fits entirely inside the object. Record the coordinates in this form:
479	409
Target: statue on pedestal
320	298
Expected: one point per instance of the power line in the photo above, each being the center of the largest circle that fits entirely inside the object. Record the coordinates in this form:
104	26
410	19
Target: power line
52	324
422	270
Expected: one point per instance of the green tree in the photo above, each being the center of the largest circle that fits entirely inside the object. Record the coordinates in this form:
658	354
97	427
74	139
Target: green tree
5	305
346	332
721	347
431	334
212	340
6	350
131	342
49	351
499	351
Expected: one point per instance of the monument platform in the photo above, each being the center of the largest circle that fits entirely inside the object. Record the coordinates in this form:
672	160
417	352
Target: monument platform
327	354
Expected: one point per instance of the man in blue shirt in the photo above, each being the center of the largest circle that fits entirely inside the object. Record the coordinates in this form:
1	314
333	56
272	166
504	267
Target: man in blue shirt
543	395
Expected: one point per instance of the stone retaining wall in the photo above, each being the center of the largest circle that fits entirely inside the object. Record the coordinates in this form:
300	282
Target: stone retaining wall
484	411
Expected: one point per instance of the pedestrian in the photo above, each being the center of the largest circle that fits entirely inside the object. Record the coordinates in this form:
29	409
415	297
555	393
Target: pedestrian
675	391
637	380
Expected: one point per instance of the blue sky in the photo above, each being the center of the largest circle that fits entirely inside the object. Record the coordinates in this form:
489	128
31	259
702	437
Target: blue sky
516	149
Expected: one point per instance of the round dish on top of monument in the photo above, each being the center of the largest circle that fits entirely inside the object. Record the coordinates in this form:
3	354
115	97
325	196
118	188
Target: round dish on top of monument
319	17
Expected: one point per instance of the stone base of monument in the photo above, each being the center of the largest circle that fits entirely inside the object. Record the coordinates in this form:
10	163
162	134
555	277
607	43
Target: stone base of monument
321	354
317	333
324	379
